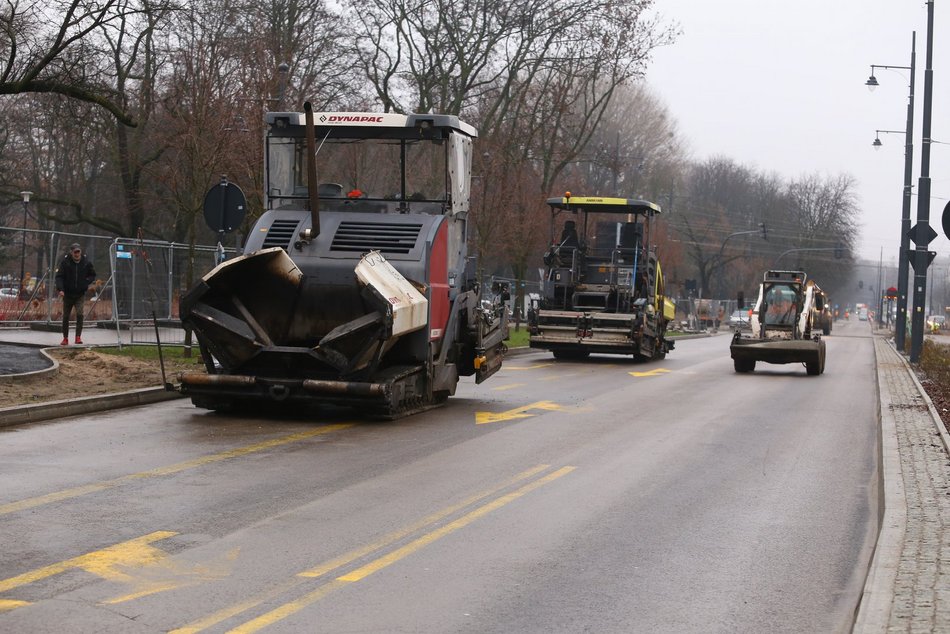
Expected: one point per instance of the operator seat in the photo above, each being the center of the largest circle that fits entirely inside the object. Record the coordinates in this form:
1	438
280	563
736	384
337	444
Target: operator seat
330	190
569	237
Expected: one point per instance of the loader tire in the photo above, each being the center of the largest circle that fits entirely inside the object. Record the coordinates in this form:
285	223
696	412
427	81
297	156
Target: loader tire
817	365
744	365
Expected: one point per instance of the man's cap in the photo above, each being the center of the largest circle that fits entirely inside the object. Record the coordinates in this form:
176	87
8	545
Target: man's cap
75	247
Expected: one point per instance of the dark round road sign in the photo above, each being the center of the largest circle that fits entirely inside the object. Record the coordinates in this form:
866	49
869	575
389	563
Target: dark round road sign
946	220
224	207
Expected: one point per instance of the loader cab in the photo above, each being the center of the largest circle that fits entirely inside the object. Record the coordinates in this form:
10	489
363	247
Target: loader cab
782	300
782	305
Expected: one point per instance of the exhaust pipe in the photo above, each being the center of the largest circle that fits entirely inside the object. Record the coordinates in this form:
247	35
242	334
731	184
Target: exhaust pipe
312	173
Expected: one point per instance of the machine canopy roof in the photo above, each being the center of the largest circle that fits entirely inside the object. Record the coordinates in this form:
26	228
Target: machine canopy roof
597	204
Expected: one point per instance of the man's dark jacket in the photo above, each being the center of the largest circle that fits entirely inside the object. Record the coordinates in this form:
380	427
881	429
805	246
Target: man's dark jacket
74	278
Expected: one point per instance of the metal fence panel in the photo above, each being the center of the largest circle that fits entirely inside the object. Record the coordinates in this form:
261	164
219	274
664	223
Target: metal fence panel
149	277
136	280
28	262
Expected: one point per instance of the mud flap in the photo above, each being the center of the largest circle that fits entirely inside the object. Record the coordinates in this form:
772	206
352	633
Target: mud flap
491	353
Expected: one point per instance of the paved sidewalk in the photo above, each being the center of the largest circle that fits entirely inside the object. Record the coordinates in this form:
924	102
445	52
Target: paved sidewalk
908	584
91	335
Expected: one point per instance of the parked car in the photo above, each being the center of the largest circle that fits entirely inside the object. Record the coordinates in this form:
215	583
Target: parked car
739	319
8	293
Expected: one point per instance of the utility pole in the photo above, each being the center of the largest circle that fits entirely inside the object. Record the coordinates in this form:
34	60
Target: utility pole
922	233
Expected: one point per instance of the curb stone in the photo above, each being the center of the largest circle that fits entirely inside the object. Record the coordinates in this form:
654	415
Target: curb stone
19	414
52	369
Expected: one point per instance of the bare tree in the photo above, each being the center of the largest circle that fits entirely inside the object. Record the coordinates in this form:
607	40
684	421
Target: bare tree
107	48
61	58
308	37
824	212
201	118
718	223
137	64
635	149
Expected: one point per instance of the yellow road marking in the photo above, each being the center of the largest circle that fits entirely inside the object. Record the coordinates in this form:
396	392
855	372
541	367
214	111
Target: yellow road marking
655	372
103	563
167	573
353	555
295	606
451	527
120	563
67	494
288	609
528	367
511	386
234	610
519	412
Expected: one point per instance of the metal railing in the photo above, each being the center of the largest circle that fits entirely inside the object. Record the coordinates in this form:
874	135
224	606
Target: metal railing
137	281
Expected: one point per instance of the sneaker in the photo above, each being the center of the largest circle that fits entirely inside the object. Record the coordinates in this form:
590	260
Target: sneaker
64	342
78	341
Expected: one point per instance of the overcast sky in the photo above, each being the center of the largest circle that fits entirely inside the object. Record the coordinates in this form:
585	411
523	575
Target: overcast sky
779	86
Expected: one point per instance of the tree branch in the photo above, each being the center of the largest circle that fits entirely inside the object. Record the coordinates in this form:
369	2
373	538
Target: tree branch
67	90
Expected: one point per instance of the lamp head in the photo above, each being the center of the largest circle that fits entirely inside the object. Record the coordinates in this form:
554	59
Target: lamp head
26	196
877	143
871	83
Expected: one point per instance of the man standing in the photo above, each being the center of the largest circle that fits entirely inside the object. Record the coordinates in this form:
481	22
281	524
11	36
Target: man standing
73	278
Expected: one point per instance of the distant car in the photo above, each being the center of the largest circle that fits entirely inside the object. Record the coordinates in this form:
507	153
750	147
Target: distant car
936	322
739	319
7	293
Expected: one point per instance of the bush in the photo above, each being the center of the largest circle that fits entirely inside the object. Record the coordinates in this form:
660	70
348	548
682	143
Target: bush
935	362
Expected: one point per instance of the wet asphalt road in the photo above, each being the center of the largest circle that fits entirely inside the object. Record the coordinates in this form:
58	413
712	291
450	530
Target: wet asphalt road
603	496
18	359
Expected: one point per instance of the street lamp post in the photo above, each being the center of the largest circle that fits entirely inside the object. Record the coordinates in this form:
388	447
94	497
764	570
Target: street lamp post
923	233
900	328
762	231
876	144
26	201
802	250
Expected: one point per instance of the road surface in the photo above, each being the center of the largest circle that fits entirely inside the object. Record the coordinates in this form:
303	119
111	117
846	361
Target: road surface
601	496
